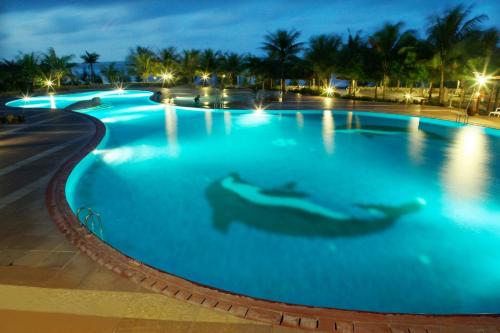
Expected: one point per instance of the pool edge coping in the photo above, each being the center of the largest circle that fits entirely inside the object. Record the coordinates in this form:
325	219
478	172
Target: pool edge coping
276	313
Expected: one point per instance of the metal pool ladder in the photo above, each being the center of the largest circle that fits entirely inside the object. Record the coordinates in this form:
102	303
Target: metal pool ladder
461	116
91	220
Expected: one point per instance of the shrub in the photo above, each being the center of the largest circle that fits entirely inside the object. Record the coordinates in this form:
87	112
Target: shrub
12	119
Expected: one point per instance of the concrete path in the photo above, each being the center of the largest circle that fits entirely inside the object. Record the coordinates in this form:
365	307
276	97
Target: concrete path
33	309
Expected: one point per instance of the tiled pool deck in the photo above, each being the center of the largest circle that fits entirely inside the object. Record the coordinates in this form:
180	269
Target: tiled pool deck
37	262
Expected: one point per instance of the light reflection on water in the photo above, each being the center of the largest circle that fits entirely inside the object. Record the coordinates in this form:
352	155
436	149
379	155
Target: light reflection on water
52	101
208	122
349	120
300	120
171	130
328	131
328	103
416	142
466	172
227	122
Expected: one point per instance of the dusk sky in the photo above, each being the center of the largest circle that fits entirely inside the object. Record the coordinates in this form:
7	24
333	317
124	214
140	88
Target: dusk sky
111	28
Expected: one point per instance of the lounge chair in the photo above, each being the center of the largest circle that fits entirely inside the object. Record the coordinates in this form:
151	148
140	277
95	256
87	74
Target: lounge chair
495	113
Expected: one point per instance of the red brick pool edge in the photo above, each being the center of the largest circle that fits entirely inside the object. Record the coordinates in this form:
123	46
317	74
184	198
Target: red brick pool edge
313	318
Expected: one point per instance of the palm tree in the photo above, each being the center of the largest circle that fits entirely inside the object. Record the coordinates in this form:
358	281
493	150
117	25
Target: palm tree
141	62
169	59
167	64
29	69
210	61
257	68
488	41
388	42
322	54
282	47
111	73
232	64
90	59
480	55
411	65
9	79
190	64
447	33
352	60
56	67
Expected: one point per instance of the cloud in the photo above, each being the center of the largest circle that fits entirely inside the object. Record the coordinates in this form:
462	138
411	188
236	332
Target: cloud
111	28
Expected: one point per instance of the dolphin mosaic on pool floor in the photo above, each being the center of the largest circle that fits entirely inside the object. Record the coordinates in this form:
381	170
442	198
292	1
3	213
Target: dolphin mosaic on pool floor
234	200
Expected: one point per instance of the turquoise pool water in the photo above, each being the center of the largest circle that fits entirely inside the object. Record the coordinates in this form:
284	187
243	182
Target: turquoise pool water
340	209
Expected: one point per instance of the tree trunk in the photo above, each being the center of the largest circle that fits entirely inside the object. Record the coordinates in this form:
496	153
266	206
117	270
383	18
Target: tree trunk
491	96
495	104
282	79
478	101
383	86
462	95
91	72
430	90
376	86
441	85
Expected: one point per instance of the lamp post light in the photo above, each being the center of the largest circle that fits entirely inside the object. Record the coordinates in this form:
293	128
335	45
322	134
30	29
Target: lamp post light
408	98
329	91
49	83
205	77
166	77
481	81
223	76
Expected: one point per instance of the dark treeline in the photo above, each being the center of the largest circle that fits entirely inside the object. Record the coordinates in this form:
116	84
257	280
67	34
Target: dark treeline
454	48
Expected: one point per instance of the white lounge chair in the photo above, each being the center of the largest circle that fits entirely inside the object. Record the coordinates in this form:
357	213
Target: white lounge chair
495	113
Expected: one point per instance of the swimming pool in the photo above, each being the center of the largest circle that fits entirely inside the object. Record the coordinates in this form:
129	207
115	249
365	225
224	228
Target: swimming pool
339	209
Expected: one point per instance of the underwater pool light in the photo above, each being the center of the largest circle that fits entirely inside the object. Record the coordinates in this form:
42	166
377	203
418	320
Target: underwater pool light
119	89
258	109
26	97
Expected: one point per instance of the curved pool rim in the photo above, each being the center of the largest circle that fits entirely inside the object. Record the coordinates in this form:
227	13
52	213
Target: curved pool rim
274	312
